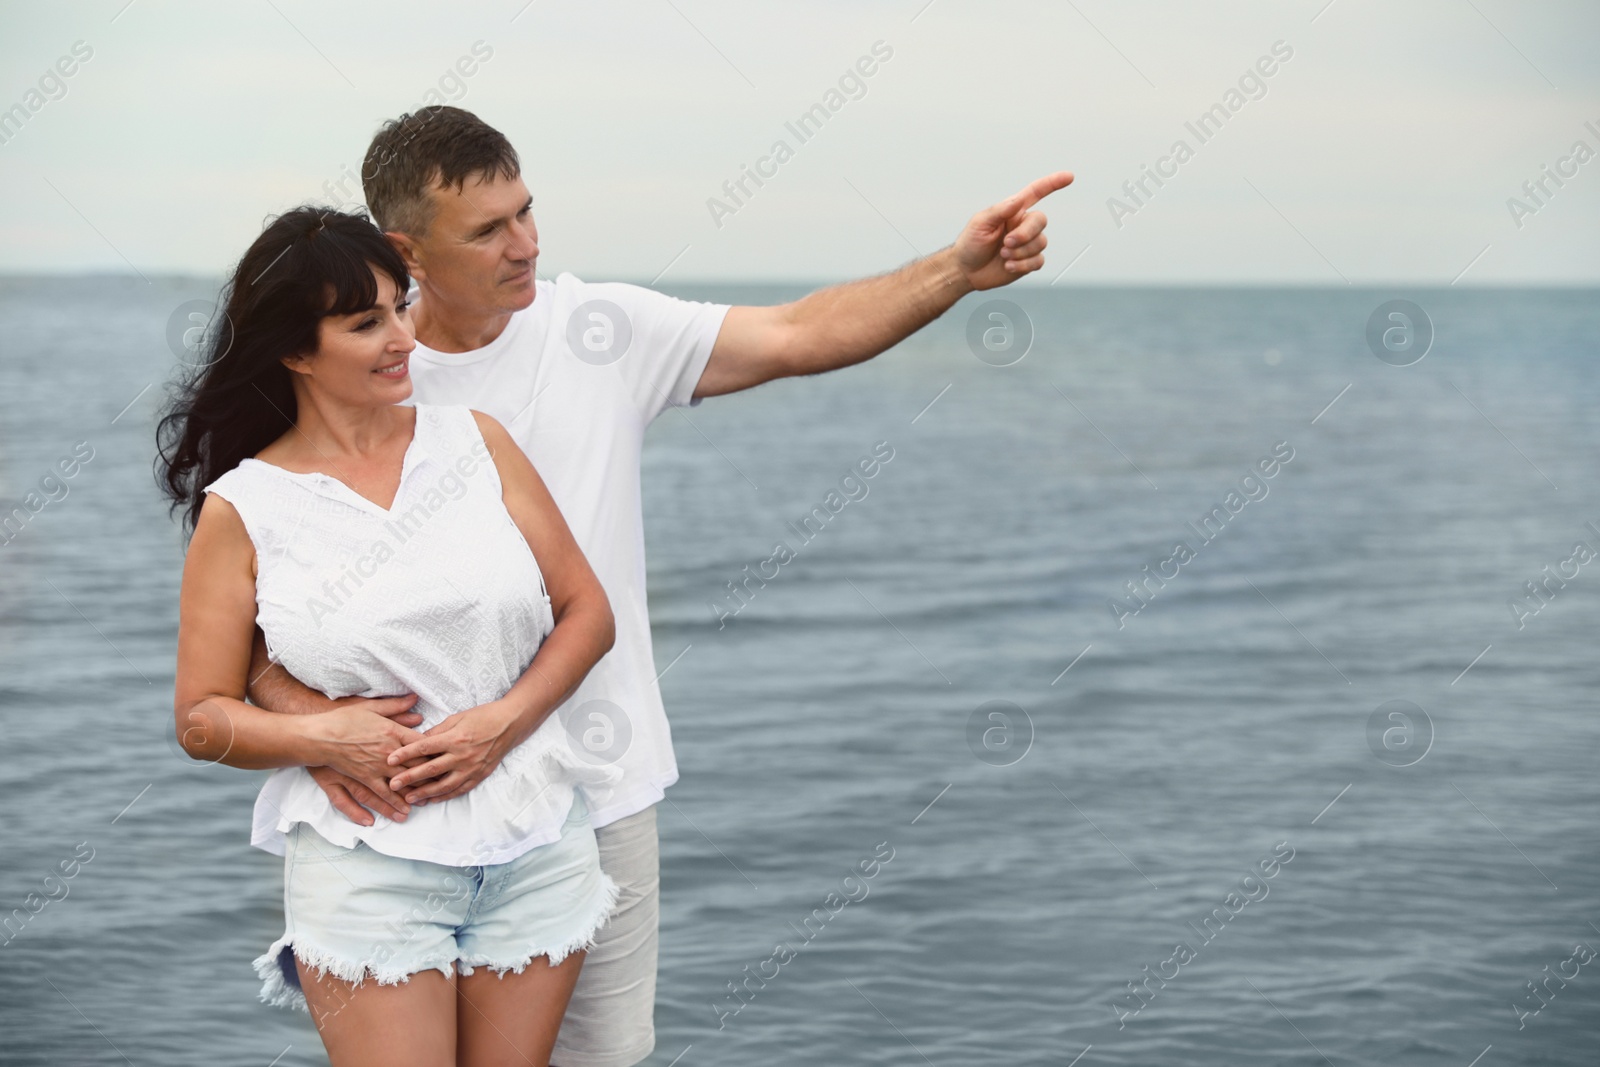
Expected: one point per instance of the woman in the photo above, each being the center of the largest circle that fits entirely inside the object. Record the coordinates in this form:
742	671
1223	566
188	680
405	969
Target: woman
384	550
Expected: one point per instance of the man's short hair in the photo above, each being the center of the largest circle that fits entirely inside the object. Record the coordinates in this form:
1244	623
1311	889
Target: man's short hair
433	147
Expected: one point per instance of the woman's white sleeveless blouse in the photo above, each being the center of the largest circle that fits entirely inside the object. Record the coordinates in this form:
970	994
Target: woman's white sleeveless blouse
440	596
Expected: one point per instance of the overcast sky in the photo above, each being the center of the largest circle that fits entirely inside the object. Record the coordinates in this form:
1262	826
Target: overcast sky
1384	149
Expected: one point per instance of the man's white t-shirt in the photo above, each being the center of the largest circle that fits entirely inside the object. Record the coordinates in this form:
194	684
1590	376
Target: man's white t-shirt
575	378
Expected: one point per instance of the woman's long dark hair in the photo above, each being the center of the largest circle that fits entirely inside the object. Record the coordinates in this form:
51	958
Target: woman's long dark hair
307	264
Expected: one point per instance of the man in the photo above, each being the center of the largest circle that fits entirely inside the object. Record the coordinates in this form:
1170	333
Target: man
576	372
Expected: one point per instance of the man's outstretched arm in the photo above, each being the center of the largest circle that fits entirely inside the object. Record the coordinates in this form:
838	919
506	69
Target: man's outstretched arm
272	687
847	324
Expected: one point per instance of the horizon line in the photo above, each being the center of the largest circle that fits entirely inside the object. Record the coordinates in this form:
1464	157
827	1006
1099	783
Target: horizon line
816	283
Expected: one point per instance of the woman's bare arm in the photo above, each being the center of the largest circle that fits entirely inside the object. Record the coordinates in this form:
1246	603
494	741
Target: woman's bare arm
585	628
216	624
470	744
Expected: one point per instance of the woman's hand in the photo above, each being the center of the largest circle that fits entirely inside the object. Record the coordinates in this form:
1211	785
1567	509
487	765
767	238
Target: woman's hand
457	754
357	743
354	800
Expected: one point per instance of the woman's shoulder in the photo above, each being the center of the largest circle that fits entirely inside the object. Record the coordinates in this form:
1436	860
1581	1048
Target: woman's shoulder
235	483
462	426
222	534
248	498
449	418
458	414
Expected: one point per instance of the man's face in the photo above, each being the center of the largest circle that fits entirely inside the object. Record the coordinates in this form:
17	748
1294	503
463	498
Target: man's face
480	251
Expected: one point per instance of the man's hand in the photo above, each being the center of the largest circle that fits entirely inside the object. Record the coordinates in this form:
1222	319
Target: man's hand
397	709
456	755
1002	243
352	799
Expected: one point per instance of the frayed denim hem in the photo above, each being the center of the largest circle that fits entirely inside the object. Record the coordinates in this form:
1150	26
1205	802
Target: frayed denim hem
605	904
280	982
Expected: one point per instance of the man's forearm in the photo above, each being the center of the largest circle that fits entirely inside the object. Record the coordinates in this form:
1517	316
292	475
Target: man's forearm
850	323
272	687
846	324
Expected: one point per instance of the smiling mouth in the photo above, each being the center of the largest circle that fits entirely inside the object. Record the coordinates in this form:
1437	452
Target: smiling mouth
393	370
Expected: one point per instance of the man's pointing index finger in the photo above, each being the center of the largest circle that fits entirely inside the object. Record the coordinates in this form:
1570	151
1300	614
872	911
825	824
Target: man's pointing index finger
1033	192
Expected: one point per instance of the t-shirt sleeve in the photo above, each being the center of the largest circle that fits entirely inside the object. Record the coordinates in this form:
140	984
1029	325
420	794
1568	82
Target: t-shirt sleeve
671	340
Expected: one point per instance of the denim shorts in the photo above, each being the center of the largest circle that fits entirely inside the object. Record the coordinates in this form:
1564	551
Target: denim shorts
356	913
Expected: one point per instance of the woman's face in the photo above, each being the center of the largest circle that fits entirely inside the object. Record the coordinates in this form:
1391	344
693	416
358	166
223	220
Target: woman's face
362	359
